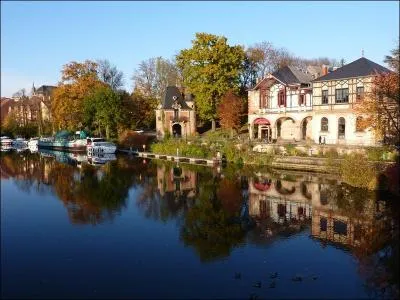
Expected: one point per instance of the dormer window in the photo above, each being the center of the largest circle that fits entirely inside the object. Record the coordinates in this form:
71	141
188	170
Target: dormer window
176	106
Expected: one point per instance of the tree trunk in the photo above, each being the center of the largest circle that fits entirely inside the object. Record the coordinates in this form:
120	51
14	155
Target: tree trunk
213	125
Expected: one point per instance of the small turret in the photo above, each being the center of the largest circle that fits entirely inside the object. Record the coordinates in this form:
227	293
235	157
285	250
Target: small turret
33	92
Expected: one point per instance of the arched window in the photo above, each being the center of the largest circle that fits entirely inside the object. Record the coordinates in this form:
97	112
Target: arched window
341	128
359	124
324	124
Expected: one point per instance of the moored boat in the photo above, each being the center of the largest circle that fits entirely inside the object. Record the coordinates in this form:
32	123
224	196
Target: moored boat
100	145
65	141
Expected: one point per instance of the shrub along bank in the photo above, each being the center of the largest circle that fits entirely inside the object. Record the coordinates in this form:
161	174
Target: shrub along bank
358	169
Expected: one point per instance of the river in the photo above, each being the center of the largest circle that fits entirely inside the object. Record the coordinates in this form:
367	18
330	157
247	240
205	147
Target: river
124	227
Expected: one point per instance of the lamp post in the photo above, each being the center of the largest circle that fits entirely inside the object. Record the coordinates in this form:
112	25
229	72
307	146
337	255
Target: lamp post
184	126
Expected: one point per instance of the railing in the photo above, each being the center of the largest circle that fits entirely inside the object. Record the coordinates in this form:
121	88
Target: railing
283	109
181	119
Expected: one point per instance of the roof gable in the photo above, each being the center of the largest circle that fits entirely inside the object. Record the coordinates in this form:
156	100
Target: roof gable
292	75
358	68
173	94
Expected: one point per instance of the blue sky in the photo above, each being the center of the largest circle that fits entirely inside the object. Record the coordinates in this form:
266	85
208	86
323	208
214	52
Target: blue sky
38	38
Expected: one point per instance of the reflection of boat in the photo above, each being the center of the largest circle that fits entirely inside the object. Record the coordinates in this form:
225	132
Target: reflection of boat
6	148
64	140
33	148
33	142
20	143
101	159
100	145
64	157
6	141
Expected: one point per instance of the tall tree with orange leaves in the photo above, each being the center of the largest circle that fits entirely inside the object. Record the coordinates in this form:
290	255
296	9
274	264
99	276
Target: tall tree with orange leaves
78	80
229	111
380	108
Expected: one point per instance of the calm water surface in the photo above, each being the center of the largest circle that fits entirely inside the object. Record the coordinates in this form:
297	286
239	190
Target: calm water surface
72	226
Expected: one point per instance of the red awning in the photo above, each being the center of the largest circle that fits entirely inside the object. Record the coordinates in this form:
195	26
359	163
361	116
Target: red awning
261	121
262	186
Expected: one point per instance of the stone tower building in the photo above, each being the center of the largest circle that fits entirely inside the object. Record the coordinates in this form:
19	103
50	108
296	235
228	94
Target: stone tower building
176	115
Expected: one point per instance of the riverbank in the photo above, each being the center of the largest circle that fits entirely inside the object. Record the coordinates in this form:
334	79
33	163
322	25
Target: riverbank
296	163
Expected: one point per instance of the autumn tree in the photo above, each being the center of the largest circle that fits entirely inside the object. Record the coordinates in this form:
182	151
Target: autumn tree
109	74
154	75
379	109
229	111
210	68
139	111
78	81
103	109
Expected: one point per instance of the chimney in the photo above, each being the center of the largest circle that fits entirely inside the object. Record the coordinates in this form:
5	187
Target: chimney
324	70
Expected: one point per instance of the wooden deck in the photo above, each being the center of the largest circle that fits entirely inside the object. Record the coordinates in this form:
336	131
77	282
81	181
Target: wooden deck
180	159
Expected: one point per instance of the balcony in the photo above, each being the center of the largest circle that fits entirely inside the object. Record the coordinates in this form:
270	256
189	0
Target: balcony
282	109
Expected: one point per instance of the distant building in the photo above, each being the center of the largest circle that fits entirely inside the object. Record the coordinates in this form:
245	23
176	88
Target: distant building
29	108
44	93
176	114
297	106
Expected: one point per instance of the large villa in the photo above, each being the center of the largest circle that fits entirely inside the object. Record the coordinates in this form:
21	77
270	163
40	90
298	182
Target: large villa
292	105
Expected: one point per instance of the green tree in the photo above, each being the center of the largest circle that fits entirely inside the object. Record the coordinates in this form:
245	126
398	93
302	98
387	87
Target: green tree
210	68
139	111
103	109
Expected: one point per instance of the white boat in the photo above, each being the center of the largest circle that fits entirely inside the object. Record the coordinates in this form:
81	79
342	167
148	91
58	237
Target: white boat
6	141
100	145
33	142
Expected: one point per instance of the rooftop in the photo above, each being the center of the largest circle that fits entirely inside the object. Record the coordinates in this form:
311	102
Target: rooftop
358	68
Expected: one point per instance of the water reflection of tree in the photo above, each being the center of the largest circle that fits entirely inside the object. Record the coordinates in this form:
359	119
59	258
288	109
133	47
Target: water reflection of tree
378	250
209	226
89	198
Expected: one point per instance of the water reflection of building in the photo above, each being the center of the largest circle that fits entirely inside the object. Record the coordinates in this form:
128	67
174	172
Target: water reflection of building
176	180
339	218
280	200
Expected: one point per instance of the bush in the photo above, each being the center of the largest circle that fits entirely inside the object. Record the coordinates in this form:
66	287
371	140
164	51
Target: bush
381	154
357	171
290	149
169	147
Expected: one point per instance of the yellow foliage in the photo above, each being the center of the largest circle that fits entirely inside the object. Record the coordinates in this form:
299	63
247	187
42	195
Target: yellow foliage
79	80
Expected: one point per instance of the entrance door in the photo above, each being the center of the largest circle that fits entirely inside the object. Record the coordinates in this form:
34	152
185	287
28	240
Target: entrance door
341	128
177	130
